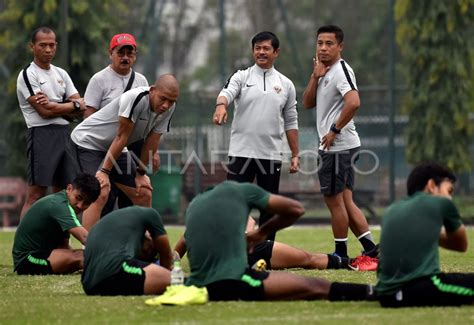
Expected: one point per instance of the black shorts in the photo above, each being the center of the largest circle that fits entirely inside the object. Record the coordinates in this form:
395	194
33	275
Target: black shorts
129	281
266	172
249	287
246	170
123	172
261	251
51	156
444	289
35	264
336	171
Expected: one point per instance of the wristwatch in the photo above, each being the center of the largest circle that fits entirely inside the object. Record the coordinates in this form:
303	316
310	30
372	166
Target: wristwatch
140	171
334	129
77	106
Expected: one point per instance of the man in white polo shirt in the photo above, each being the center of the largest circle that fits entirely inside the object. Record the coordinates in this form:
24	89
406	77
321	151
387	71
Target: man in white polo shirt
102	138
108	84
333	91
48	100
117	78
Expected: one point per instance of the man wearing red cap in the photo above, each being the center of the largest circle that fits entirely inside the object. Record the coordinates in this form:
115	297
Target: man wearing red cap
116	78
110	83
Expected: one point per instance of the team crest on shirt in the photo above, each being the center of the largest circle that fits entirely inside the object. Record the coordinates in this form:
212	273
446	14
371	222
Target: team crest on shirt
277	89
60	81
326	80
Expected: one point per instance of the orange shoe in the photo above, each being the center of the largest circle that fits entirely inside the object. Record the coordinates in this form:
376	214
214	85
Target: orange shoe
364	263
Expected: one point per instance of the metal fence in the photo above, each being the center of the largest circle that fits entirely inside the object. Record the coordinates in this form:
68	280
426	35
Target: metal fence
194	139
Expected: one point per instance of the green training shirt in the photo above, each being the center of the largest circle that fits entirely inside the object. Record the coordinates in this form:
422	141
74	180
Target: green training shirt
215	231
117	237
410	239
44	227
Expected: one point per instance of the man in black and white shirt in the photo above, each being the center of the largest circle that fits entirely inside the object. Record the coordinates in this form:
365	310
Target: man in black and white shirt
102	138
265	109
48	100
332	89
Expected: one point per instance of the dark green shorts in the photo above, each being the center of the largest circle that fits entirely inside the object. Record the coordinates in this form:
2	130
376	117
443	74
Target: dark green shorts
264	251
444	289
249	287
35	264
129	281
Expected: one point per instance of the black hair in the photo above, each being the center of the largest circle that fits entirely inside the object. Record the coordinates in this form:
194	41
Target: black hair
332	29
265	36
88	185
422	173
42	29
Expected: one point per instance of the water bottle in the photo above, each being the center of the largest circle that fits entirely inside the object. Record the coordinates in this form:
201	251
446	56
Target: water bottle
177	274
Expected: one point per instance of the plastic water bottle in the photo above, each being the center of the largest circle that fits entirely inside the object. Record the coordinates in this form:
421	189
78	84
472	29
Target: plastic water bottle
177	274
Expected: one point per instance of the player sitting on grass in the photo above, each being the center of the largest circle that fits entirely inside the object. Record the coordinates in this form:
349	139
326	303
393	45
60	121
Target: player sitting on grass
41	244
118	259
412	229
217	249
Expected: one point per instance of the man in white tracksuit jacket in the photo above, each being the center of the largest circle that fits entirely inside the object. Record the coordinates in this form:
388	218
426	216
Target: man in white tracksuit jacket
265	109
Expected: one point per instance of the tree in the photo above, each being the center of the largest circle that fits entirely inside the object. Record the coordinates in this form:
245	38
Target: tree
436	48
89	25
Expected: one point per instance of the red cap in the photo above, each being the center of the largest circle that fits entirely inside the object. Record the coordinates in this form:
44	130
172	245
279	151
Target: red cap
122	40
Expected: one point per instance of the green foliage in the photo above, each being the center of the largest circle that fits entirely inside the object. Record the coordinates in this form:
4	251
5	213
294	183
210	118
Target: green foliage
433	37
363	23
89	26
60	299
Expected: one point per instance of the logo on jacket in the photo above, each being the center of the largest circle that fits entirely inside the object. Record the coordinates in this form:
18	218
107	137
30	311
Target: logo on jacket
277	89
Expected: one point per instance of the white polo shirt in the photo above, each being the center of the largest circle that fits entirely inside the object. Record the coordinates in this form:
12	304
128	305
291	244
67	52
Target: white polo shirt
99	130
332	87
106	85
54	83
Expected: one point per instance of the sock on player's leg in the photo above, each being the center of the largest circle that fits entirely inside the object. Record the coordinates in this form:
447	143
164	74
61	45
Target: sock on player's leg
337	262
367	241
341	246
350	291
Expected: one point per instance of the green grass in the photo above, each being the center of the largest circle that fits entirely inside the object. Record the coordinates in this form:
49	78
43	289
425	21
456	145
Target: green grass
60	299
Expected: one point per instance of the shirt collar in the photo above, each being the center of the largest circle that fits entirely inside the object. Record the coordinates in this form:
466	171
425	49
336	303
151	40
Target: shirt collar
261	71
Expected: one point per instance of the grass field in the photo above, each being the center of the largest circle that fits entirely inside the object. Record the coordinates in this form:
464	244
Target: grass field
60	299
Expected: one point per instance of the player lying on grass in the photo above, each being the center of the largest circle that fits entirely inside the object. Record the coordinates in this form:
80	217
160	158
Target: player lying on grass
217	248
118	259
41	244
279	256
282	256
412	229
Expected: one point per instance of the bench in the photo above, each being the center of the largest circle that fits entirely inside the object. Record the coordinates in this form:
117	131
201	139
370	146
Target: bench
12	197
198	177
